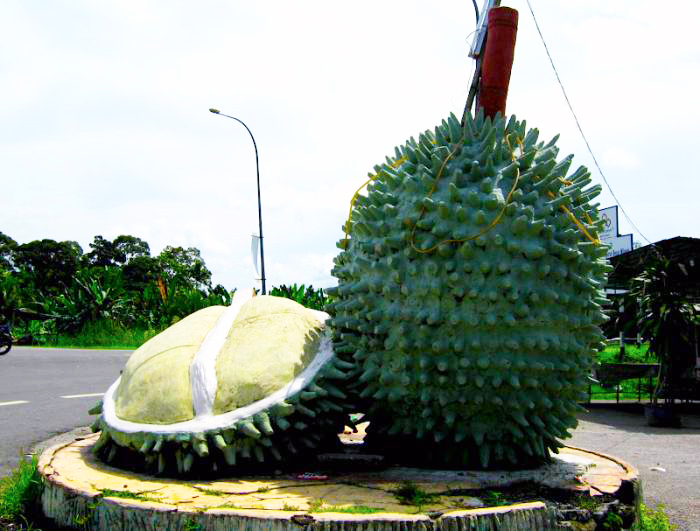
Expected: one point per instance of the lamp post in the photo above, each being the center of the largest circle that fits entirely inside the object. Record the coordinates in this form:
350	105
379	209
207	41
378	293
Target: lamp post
257	169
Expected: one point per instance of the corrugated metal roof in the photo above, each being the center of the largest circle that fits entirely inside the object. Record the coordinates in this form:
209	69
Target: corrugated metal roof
682	251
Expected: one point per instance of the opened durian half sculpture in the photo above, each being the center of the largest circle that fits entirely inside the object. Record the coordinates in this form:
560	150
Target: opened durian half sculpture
255	382
469	294
467	309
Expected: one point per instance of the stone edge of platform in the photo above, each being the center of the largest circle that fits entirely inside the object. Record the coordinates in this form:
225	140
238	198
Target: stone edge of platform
85	510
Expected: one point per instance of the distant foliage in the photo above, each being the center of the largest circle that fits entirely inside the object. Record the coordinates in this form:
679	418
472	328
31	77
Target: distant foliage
307	297
50	289
666	317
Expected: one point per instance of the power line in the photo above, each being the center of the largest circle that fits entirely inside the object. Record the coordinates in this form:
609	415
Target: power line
476	11
595	161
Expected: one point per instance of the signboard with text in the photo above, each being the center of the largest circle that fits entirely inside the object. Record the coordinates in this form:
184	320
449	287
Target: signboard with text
617	244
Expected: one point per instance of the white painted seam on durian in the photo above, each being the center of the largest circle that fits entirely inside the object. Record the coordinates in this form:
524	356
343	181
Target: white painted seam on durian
209	422
203	367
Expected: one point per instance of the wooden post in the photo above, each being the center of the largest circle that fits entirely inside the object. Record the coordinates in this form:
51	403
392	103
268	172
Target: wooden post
622	347
639	390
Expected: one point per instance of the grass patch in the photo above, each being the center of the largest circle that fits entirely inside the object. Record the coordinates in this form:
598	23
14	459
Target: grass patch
410	494
529	491
628	389
287	507
352	509
633	354
231	506
654	519
20	493
494	498
612	522
317	506
125	494
191	525
103	334
583	501
212	492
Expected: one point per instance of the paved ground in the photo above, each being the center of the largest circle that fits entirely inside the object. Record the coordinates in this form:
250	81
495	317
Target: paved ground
668	459
48	391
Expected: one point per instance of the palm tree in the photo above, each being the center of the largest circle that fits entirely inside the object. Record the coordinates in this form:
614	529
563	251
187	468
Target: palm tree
666	318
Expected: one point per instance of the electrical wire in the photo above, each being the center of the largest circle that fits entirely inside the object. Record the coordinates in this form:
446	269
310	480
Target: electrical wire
476	10
595	161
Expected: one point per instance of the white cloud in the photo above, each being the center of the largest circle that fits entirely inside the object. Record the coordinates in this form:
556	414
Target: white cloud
619	157
106	129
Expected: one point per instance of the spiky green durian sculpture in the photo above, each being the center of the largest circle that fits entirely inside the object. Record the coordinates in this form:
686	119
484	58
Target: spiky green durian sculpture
469	294
233	387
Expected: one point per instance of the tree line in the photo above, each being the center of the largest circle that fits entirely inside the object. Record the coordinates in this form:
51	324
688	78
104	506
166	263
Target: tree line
54	287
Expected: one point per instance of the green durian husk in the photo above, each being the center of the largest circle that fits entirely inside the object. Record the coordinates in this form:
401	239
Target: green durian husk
469	291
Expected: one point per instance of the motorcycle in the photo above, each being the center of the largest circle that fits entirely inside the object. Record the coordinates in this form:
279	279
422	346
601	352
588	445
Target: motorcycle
5	339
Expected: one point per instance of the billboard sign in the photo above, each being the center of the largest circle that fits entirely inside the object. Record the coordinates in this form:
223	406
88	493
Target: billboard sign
617	244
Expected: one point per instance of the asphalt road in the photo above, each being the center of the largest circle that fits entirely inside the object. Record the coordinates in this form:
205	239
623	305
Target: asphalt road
43	393
667	459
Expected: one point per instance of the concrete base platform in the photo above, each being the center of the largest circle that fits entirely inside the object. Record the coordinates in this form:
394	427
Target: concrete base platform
84	493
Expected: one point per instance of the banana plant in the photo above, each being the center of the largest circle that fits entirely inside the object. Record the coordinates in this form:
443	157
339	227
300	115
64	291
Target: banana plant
309	297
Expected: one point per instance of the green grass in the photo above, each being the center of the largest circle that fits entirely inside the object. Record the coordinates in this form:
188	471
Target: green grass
410	494
191	525
213	492
654	519
584	501
229	505
125	494
633	354
612	522
20	493
352	509
628	388
318	506
102	334
494	498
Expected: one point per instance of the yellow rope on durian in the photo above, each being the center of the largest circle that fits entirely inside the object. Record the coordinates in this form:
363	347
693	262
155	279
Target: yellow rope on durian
491	225
581	227
374	177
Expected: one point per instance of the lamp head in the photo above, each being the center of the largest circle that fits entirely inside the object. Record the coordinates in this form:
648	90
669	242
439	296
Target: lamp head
215	111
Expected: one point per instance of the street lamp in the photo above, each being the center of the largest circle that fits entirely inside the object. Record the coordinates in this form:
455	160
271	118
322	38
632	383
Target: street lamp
257	169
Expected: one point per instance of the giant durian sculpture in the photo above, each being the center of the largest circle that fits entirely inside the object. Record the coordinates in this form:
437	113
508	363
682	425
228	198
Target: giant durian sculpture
226	388
469	294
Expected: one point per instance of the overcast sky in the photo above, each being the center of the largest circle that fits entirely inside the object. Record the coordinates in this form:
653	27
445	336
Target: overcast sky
106	130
